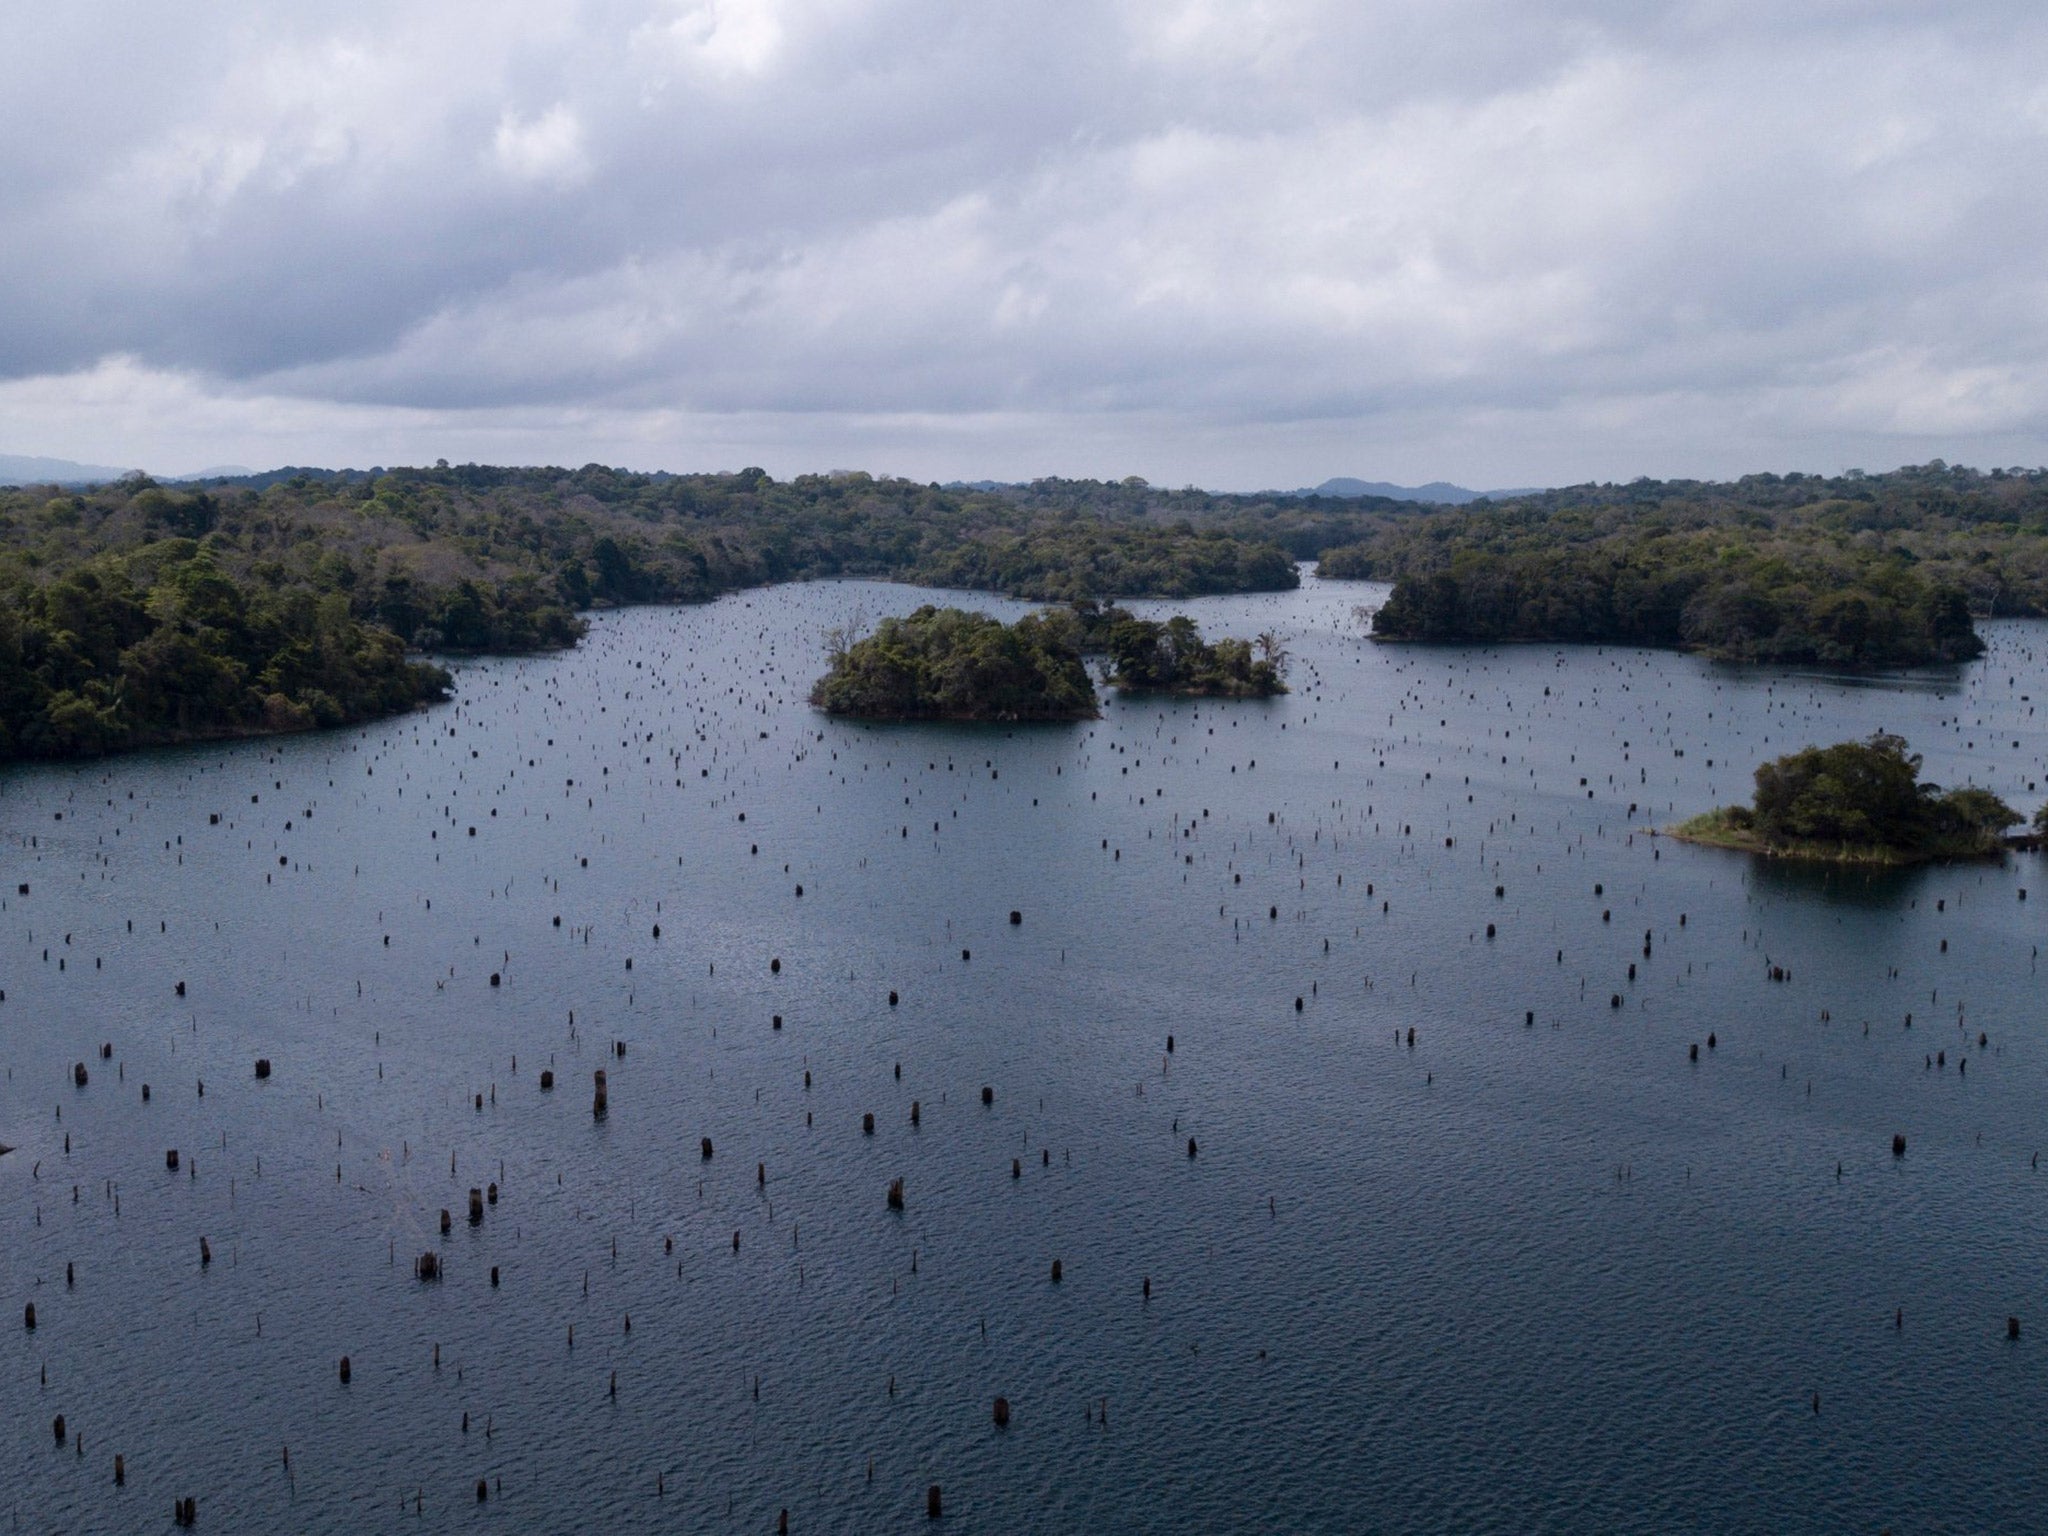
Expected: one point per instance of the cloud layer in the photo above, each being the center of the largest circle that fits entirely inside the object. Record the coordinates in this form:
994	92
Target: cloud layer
1231	241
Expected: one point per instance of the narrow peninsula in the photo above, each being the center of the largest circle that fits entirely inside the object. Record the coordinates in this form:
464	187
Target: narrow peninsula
1857	802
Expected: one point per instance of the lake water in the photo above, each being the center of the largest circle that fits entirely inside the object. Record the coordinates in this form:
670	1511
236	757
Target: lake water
1535	1271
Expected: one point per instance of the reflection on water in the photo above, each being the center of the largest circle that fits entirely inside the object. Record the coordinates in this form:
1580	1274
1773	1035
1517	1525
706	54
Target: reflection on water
1869	887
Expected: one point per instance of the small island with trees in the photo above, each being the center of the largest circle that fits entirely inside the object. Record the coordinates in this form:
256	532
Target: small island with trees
1170	656
1858	802
949	664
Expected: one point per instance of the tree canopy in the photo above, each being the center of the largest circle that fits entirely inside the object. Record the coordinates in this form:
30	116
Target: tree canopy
1854	569
1170	656
948	664
277	601
161	647
1850	570
1859	795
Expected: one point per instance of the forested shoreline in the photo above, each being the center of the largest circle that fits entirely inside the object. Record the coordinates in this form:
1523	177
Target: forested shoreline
136	613
1833	607
1853	570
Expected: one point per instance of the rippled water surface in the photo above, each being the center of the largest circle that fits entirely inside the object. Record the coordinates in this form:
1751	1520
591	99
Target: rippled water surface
1532	1270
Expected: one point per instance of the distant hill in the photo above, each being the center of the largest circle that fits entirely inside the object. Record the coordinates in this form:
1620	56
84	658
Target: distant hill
1441	492
24	469
1436	493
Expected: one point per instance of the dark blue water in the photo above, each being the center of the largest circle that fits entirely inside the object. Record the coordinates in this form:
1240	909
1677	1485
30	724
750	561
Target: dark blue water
1516	1276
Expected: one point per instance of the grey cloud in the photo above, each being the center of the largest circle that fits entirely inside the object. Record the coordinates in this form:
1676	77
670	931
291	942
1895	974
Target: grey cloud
1139	223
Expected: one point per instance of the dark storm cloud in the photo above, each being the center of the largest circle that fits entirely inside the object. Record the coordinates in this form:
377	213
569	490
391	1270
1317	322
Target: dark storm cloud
668	226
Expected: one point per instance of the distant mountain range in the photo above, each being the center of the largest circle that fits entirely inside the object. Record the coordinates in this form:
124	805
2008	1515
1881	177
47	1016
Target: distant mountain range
1437	492
1440	491
28	469
23	469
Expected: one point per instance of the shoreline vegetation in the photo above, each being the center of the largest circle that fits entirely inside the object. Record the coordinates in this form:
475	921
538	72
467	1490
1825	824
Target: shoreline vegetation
137	614
1853	571
950	664
1860	802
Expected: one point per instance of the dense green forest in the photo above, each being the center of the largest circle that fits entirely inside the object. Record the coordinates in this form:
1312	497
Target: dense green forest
159	646
1831	605
1860	801
948	664
331	570
1858	570
334	575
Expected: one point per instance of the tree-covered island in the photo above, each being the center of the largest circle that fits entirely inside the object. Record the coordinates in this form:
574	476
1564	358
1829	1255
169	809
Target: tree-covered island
1170	655
948	664
1857	802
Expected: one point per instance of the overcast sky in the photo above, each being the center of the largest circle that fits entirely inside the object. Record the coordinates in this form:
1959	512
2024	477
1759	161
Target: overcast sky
1237	243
